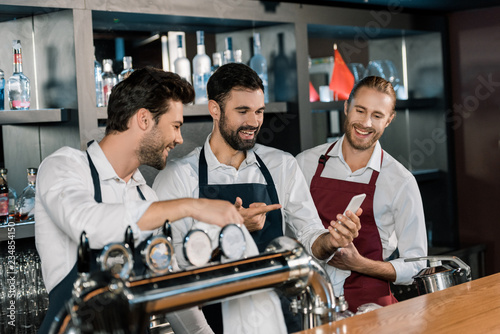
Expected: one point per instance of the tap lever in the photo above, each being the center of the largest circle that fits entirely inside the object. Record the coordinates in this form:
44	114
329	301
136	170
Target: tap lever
83	254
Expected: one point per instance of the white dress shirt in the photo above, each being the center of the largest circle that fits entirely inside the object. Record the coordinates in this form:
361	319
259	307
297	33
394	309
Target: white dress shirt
301	221
397	206
65	207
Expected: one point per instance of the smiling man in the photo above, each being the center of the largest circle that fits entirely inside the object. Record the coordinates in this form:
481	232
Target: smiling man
265	184
102	192
393	217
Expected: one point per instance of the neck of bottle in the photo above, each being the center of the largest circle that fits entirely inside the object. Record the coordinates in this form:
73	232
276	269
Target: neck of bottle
31	180
18	61
200	49
180	52
256	49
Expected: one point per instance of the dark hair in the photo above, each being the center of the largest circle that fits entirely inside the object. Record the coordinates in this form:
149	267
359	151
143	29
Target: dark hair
379	84
148	88
232	76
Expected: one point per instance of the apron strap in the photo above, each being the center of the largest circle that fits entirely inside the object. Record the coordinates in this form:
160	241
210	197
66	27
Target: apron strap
203	175
271	189
97	182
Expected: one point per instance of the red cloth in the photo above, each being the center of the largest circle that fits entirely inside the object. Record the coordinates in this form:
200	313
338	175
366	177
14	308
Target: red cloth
331	197
313	94
342	80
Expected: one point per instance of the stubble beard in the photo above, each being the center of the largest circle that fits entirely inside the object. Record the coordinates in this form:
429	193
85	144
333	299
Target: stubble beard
232	137
151	149
351	137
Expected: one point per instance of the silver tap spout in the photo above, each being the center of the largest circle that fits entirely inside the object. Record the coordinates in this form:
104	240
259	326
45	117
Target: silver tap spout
285	265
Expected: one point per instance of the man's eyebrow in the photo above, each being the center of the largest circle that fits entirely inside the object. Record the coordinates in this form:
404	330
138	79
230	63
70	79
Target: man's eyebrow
248	108
178	122
359	106
242	107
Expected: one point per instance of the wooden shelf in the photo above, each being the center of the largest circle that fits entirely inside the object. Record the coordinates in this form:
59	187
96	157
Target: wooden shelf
10	117
22	230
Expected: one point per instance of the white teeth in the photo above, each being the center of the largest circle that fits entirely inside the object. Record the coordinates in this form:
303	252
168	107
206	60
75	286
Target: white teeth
247	133
362	132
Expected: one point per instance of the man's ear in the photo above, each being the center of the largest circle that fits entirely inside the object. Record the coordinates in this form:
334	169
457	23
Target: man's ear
214	109
390	119
143	118
346	107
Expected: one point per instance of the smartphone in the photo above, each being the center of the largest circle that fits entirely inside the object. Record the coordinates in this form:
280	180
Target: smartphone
355	203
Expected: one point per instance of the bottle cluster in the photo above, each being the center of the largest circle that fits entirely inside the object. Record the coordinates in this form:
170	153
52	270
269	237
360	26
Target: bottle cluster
106	79
13	207
18	85
202	67
196	73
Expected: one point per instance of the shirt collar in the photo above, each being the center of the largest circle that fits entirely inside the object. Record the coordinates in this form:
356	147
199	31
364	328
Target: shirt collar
213	163
104	168
373	163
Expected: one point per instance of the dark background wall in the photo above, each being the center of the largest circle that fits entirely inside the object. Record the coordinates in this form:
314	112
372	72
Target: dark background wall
475	87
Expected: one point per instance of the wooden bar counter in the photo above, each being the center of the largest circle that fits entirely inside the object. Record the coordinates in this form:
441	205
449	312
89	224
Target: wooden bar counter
472	307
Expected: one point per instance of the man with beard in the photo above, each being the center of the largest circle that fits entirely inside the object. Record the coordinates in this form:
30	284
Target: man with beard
393	217
101	192
264	183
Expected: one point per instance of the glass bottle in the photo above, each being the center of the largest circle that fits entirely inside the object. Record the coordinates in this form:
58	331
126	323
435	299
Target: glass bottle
259	64
201	70
2	90
238	56
228	53
109	79
99	92
182	66
25	206
18	84
127	68
217	61
12	194
4	201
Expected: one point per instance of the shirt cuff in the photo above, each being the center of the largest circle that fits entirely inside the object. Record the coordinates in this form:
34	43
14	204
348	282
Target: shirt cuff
135	211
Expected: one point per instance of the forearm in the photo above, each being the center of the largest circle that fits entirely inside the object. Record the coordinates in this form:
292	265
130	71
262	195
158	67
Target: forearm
378	269
322	248
172	210
217	212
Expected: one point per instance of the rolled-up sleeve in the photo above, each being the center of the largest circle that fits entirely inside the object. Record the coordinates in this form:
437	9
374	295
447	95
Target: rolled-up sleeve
410	231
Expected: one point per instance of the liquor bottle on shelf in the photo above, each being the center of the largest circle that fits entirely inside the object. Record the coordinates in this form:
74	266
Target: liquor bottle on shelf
4	202
25	206
127	68
99	92
259	64
182	66
109	79
18	86
238	56
228	53
12	194
217	61
201	70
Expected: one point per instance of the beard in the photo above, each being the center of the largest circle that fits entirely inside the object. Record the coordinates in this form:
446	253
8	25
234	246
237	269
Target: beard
355	142
232	137
151	150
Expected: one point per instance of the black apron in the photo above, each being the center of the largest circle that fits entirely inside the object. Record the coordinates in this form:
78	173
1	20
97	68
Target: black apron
273	227
61	293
